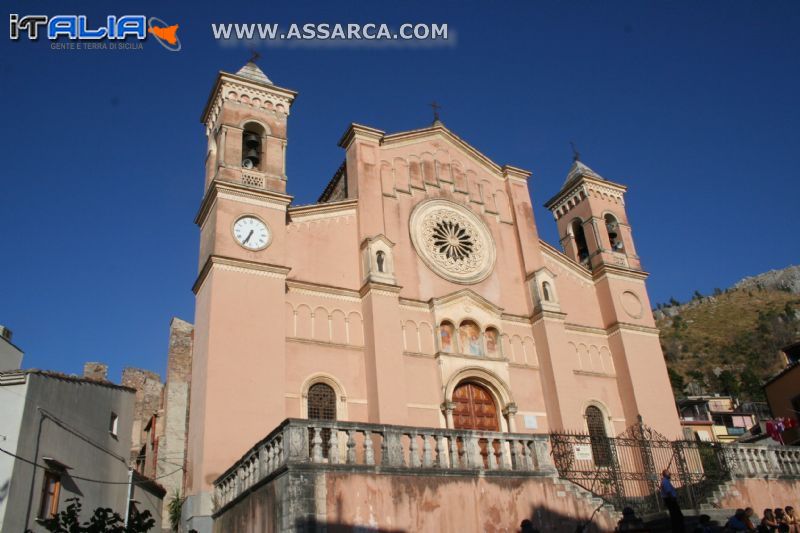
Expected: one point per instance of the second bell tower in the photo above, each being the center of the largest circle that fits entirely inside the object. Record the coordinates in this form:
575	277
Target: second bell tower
245	122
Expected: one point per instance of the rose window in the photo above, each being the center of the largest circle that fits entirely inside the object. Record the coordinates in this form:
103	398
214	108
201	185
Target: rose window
452	241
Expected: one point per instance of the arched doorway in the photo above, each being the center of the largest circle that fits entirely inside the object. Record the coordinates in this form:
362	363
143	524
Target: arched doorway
474	408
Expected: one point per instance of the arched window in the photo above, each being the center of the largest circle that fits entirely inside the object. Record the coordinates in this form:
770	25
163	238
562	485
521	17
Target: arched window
601	449
380	258
447	337
470	338
580	241
251	145
614	235
321	406
492	338
546	291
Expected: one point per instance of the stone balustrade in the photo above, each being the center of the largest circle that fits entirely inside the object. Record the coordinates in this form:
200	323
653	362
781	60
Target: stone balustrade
751	460
376	447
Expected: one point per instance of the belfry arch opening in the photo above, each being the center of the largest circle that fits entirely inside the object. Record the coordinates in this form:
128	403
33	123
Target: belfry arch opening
581	248
252	136
614	235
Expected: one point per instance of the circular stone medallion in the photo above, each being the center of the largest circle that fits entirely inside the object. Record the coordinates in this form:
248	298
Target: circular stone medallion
632	304
452	241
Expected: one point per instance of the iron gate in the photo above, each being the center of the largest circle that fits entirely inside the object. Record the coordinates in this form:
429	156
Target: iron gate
626	470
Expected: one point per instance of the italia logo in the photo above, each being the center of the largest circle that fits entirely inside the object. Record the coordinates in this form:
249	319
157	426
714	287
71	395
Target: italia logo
77	28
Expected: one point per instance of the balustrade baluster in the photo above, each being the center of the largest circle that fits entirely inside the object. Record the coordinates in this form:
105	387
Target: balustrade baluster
491	453
384	449
473	452
515	457
369	454
427	452
333	447
441	459
316	445
454	462
526	451
278	456
413	451
351	447
503	455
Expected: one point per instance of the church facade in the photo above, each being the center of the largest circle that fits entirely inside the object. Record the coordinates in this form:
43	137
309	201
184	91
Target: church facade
415	292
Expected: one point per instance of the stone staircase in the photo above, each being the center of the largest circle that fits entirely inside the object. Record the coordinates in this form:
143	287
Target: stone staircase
659	522
594	501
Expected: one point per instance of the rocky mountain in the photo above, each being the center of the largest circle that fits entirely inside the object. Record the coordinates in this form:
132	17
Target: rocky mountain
729	342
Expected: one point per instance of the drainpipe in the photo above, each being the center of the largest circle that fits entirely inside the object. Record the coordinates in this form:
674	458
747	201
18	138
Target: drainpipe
130	497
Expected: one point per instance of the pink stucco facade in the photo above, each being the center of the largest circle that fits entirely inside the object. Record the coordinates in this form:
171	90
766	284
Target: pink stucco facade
572	328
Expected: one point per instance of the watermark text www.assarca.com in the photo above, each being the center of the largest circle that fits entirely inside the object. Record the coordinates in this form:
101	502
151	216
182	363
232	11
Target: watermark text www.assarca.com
330	32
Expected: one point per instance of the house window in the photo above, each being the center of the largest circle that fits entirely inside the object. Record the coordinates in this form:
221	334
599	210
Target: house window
601	451
112	424
50	491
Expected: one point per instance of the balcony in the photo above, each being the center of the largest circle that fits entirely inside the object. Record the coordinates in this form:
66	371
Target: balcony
356	447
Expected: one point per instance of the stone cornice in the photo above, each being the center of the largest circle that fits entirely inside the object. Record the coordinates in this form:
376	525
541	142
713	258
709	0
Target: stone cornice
469	294
268	92
217	187
544	314
238	265
381	289
302	212
633	328
359	130
619	272
588	330
516	173
582	182
323	291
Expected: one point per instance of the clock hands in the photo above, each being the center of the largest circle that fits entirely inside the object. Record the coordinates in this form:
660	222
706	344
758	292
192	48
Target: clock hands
248	237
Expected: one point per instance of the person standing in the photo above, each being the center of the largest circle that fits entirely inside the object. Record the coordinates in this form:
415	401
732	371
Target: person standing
670	497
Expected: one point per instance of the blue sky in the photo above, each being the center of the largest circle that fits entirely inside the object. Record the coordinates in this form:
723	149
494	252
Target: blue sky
693	105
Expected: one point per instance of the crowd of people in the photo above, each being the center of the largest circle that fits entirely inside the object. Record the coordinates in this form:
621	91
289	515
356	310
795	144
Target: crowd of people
773	520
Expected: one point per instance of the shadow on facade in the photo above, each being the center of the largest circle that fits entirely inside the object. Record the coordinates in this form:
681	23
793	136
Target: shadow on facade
544	520
309	525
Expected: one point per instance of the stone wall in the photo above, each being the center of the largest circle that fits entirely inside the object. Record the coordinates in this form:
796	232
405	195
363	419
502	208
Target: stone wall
172	444
316	499
146	430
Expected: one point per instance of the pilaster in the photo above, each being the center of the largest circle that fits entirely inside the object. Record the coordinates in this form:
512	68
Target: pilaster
386	386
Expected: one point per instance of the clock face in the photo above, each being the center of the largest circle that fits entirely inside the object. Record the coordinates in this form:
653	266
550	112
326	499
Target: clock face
251	233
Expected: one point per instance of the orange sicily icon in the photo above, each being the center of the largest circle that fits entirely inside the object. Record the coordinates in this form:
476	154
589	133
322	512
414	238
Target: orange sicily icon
168	33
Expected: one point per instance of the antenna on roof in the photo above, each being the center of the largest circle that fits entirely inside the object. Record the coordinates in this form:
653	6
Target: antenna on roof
576	155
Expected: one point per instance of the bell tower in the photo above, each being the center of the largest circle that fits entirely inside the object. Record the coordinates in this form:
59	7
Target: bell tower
592	223
594	232
239	350
245	121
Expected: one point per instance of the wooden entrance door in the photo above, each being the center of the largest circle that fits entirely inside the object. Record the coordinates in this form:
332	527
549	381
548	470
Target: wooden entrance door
474	408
